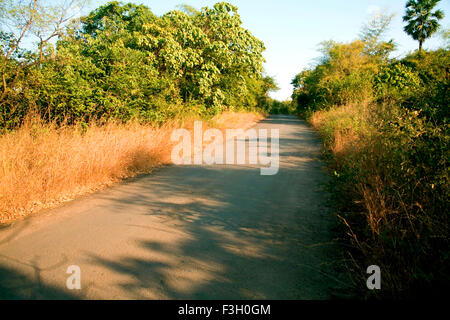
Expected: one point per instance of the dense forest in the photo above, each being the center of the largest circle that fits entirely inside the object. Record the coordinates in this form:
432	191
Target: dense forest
385	126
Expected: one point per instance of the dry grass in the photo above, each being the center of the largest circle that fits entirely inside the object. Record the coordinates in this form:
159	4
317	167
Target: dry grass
388	167
232	120
344	127
42	166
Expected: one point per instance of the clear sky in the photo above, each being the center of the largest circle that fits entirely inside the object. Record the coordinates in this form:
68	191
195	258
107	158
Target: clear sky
292	29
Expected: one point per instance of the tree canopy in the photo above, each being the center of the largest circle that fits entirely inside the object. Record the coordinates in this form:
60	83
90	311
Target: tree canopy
123	61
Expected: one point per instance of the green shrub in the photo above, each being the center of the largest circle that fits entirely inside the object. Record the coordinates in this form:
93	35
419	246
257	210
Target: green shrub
384	124
391	186
123	62
398	81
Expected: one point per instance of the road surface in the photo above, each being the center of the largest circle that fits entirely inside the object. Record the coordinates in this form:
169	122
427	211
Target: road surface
186	232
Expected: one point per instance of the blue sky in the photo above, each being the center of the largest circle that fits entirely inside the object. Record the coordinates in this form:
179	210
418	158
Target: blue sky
292	29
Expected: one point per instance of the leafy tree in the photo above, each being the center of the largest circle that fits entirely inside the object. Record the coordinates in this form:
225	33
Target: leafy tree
446	38
121	61
345	74
421	20
433	69
257	93
27	20
44	21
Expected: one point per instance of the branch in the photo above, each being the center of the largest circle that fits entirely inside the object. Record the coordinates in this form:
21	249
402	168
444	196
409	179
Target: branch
5	89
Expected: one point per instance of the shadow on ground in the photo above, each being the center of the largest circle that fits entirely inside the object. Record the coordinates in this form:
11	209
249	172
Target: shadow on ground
209	232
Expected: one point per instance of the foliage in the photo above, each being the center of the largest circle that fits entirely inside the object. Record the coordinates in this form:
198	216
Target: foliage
397	80
121	61
384	123
346	71
421	20
433	69
372	34
281	107
36	19
391	187
345	75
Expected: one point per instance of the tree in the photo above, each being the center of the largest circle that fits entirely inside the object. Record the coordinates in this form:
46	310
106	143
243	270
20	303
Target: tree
421	20
446	38
372	34
121	62
22	19
189	10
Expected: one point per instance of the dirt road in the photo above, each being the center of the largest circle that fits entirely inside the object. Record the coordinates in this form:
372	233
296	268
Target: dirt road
186	232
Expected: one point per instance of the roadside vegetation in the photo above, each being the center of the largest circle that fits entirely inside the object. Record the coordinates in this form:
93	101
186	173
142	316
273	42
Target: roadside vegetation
281	107
43	165
385	127
96	99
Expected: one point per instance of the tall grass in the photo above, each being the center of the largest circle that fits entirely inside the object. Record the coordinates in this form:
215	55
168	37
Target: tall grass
43	165
391	189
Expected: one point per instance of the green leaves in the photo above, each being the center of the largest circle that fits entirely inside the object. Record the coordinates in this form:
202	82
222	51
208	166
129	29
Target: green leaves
421	21
122	61
204	52
397	79
372	35
344	75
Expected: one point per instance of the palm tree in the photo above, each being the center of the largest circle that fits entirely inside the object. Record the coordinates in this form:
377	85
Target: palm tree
422	21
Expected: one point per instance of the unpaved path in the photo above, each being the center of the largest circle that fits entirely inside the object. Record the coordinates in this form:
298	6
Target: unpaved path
186	232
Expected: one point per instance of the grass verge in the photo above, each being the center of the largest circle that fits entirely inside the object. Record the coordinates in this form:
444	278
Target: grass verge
391	187
44	165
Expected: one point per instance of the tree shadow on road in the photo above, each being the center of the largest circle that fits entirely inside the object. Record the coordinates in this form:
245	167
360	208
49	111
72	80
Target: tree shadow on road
229	233
237	243
15	285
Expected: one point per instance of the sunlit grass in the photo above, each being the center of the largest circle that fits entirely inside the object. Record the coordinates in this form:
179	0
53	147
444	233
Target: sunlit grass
390	186
43	165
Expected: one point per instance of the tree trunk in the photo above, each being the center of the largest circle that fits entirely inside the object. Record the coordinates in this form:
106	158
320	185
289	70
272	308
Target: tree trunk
420	45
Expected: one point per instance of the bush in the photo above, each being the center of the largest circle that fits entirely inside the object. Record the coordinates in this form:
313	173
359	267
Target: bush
122	62
433	69
391	165
397	81
345	75
281	107
384	124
